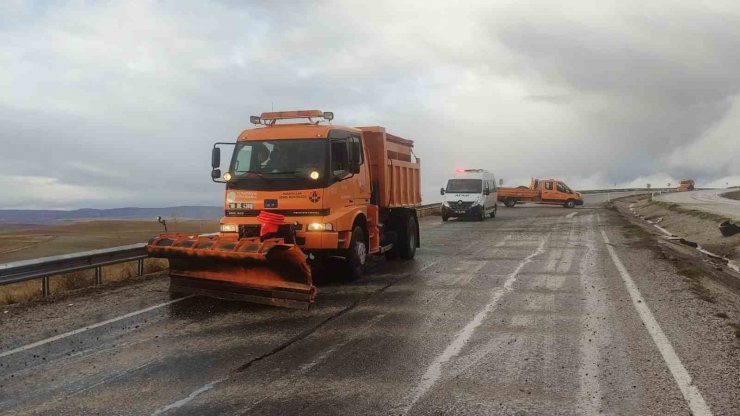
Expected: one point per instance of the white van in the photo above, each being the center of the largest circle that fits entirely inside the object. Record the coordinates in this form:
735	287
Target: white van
471	193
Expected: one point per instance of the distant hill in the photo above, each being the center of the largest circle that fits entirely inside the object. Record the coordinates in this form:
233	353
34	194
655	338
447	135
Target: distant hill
42	216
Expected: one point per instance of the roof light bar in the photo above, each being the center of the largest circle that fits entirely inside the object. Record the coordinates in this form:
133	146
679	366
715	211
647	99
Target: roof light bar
270	118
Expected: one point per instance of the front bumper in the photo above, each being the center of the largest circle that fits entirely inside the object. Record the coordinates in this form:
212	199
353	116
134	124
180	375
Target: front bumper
465	212
579	202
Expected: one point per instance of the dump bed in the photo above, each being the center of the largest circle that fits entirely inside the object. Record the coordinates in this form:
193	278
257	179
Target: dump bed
394	170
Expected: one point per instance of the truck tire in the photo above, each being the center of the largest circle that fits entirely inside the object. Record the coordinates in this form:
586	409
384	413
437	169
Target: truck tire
570	203
509	202
356	255
407	239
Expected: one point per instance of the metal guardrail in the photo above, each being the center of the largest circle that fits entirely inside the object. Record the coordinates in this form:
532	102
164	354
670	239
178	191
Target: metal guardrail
45	267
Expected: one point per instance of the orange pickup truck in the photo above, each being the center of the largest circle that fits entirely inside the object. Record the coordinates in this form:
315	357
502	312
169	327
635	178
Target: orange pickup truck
541	191
686	185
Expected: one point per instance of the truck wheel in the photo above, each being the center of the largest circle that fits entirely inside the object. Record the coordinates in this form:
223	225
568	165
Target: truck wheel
570	203
509	203
354	262
407	239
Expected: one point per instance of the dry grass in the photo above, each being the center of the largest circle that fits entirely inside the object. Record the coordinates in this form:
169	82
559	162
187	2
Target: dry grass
28	242
692	212
30	290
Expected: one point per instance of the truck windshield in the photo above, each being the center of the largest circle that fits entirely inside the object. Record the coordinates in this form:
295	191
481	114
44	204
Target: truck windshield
279	158
465	186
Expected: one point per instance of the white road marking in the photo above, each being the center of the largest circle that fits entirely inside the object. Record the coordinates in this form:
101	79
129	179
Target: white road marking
89	327
572	214
186	400
682	377
434	371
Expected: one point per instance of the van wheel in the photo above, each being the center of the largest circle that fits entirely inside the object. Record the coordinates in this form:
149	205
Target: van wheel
570	203
407	239
493	213
356	255
445	218
482	215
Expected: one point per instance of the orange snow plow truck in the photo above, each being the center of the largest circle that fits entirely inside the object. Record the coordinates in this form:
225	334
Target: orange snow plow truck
299	193
541	191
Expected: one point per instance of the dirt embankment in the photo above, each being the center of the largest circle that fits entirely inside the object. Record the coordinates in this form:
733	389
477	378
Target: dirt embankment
698	226
732	195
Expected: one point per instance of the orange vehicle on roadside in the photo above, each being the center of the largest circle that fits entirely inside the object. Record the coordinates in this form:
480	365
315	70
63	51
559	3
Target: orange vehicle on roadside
685	185
297	195
541	191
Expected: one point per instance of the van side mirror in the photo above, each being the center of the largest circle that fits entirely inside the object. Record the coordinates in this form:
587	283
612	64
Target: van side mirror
216	174
442	191
215	158
486	192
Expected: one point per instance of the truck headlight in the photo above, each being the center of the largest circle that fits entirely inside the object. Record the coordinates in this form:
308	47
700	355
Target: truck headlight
229	228
316	226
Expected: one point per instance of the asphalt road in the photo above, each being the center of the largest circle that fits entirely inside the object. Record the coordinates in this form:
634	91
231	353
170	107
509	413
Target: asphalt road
542	311
706	200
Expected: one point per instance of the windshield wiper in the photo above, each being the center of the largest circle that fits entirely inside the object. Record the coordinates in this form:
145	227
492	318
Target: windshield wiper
281	173
254	172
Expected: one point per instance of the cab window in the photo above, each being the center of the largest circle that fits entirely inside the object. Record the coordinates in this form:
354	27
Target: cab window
562	188
548	186
355	150
339	157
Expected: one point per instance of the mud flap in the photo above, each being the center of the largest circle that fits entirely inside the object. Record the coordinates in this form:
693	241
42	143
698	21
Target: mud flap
269	272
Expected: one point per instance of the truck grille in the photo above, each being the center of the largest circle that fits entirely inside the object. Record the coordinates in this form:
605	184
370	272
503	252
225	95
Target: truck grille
459	205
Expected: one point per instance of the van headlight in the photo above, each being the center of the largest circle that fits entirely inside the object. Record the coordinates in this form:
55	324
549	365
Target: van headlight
475	204
229	228
445	203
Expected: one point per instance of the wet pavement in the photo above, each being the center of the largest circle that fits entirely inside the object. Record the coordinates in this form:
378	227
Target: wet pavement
523	314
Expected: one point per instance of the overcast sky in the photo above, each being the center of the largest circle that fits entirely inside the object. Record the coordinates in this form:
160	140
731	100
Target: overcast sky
109	104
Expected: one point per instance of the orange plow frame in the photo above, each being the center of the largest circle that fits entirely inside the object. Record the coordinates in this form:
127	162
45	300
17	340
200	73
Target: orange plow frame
269	272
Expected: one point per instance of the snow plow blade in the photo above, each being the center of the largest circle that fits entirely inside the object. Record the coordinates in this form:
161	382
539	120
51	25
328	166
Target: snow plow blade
269	272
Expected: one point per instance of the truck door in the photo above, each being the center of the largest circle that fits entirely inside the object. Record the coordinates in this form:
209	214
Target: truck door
357	157
346	152
564	193
549	194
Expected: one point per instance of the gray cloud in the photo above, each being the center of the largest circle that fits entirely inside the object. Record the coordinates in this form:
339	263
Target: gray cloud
111	104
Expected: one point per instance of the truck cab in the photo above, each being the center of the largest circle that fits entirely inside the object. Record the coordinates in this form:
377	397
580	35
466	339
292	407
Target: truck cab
470	193
340	189
541	191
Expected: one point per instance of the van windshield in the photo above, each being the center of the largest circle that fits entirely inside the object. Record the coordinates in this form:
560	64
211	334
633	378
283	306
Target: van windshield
465	186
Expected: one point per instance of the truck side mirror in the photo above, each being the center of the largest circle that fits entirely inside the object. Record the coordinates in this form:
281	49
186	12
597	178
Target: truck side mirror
215	158
442	191
354	167
216	174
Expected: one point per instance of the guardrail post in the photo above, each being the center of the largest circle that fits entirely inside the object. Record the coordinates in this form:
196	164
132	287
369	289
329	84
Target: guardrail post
98	276
140	267
45	286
